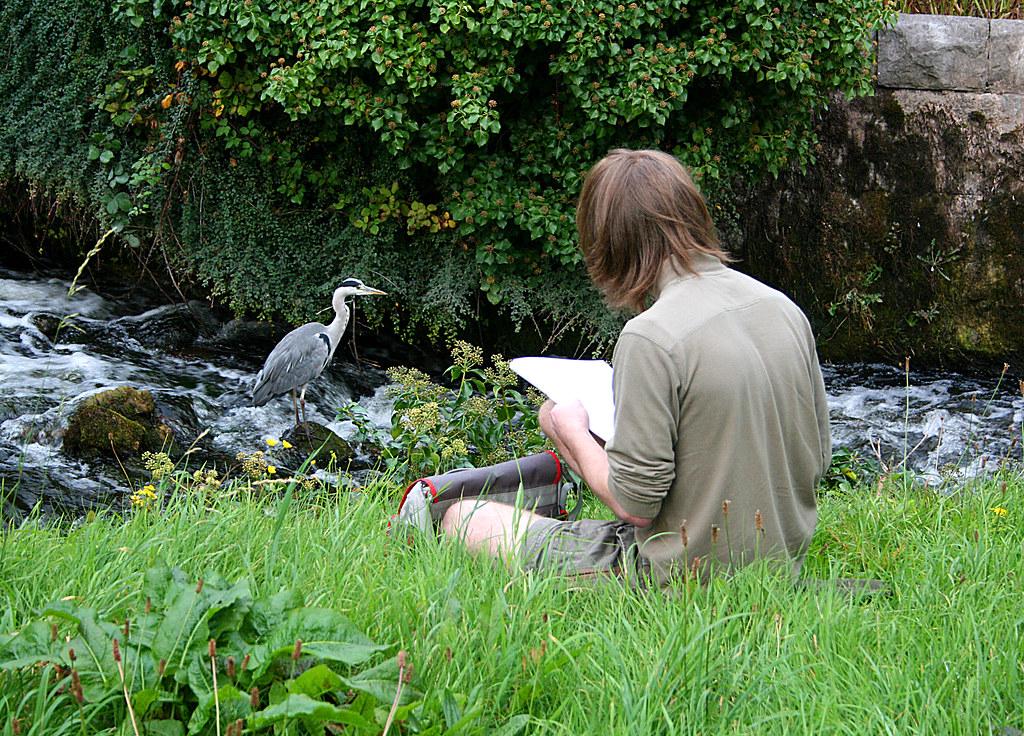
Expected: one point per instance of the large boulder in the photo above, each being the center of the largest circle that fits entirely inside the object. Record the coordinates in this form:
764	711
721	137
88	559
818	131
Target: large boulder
121	422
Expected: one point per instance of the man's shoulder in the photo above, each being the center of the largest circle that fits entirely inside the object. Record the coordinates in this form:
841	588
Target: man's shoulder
699	309
648	326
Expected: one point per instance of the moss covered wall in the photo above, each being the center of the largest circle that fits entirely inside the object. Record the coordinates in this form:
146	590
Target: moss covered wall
907	235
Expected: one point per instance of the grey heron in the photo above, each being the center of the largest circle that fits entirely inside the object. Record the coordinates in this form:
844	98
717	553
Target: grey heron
304	352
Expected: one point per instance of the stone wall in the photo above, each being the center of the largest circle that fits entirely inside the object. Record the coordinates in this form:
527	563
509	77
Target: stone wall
907	235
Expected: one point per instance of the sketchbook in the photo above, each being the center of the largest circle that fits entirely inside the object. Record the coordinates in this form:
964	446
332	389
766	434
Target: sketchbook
562	379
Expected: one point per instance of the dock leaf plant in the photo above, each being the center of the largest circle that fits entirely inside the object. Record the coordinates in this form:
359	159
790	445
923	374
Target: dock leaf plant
203	649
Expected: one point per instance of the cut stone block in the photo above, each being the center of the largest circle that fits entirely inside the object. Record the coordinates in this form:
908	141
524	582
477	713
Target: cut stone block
934	52
1006	57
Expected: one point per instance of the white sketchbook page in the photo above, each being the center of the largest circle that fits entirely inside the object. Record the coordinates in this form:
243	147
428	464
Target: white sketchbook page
562	379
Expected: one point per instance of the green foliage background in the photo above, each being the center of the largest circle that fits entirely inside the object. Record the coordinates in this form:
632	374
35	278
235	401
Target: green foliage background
269	148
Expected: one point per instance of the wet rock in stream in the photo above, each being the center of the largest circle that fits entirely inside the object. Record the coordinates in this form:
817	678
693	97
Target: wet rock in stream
310	437
171	327
121	423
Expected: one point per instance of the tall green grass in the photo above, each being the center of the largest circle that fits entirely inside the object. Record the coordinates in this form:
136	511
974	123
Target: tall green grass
942	654
1013	9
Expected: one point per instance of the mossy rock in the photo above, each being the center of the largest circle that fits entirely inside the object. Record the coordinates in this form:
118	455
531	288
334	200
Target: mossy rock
309	437
122	422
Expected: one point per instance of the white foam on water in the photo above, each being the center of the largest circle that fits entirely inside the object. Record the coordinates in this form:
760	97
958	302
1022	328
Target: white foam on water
24	296
940	420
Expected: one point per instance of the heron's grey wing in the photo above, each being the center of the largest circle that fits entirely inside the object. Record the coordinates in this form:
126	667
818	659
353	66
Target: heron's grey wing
300	357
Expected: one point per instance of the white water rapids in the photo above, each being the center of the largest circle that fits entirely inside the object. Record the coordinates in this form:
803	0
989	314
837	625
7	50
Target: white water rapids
945	423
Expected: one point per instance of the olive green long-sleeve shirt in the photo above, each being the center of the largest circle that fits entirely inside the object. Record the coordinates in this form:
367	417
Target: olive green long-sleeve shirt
718	397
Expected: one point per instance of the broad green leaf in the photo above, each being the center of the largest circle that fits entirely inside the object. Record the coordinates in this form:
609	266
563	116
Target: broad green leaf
267	614
166	727
143	700
451	708
514	725
196	673
382	683
233	704
228	608
325	634
310	711
28	647
316	681
94	645
183	625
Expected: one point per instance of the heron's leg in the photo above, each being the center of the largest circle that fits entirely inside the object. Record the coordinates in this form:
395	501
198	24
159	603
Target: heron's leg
302	401
295	406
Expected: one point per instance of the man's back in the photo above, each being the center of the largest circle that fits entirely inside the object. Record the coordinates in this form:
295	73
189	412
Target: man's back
718	398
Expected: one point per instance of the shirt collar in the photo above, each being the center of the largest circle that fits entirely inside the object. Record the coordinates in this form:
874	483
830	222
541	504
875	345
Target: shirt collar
703	264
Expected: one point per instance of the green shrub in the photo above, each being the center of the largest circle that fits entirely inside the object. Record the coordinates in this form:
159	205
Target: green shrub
436	148
482	419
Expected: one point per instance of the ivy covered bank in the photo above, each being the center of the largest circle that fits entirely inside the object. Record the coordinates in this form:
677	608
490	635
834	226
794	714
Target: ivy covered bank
264	148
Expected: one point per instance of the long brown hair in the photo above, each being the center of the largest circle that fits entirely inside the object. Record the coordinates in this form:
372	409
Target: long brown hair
638	209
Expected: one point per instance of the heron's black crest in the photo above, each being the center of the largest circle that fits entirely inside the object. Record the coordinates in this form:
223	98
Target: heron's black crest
352	283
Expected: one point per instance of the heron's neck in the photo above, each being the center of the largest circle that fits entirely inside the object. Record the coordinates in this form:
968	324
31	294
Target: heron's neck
337	326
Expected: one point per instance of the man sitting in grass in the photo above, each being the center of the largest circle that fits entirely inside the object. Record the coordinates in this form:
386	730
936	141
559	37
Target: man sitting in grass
721	424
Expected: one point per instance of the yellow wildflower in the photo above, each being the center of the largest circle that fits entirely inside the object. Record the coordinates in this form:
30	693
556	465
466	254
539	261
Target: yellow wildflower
145	496
208	480
286	444
271	469
999	511
271	442
254	464
423	419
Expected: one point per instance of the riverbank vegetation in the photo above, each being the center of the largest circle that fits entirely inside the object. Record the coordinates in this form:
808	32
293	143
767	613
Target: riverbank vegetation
261	153
495	648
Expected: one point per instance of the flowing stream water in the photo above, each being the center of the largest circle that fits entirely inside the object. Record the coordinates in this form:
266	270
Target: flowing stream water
56	350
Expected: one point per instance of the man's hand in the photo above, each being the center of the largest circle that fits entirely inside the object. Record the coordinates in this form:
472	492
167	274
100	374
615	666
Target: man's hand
569	417
568	426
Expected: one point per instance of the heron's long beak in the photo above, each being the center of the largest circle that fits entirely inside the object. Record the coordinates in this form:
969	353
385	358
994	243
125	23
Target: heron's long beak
368	291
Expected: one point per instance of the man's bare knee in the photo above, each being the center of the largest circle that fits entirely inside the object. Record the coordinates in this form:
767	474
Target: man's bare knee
487	525
454	520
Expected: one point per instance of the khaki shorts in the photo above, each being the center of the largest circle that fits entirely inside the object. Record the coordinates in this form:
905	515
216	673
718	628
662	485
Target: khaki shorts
587	547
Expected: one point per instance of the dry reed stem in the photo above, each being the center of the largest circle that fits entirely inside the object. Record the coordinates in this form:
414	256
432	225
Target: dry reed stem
398	693
213	669
124	687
